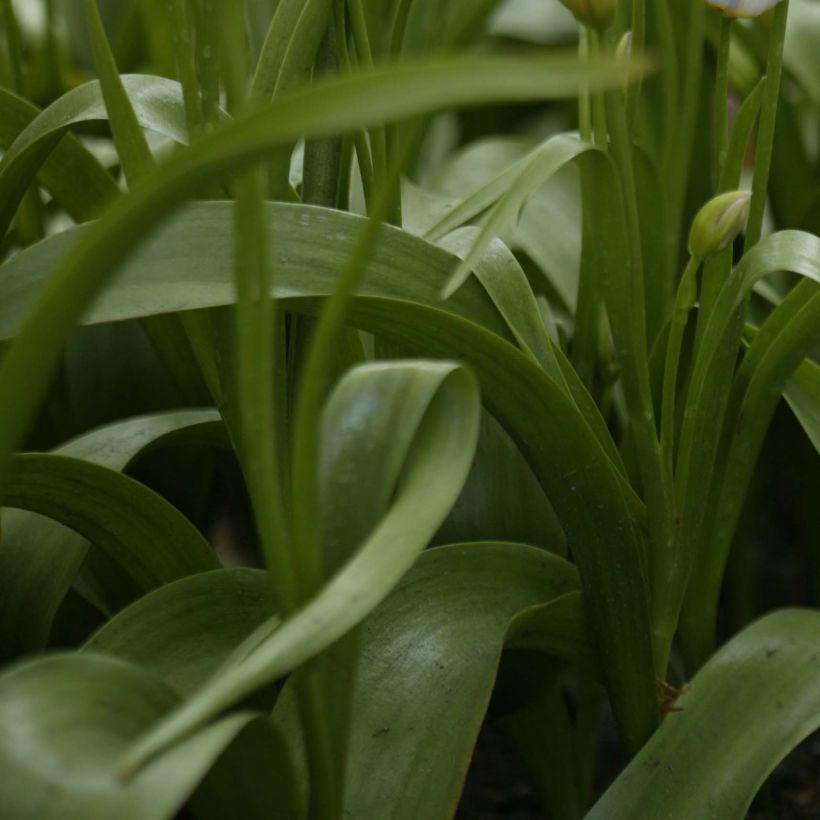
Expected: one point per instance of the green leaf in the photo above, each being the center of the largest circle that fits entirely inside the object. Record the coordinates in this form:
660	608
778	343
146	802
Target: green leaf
752	703
443	443
158	106
132	147
187	266
507	193
502	499
70	173
429	656
184	631
718	445
39	557
148	537
803	395
286	59
65	720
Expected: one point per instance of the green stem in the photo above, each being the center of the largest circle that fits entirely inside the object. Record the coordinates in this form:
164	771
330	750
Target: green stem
584	102
183	46
684	302
670	74
14	44
721	113
765	130
399	27
360	141
656	483
599	124
680	154
638	43
378	134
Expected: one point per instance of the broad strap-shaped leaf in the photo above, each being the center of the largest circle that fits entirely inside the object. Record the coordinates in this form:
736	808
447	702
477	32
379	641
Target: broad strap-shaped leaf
803	395
186	266
784	339
39	557
185	630
752	703
432	475
71	173
65	719
148	537
428	661
530	175
158	106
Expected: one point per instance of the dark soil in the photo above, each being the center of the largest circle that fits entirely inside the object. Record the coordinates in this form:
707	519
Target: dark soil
498	787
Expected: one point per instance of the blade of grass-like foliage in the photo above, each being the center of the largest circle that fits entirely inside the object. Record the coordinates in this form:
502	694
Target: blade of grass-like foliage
783	341
312	245
803	395
502	277
70	172
435	469
752	703
428	661
65	719
132	147
287	54
157	103
707	398
185	630
502	499
505	282
39	557
39	560
141	531
326	108
509	191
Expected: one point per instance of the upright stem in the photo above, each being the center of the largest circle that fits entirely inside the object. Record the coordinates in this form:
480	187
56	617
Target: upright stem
638	42
684	302
721	112
679	158
599	125
657	484
765	130
584	102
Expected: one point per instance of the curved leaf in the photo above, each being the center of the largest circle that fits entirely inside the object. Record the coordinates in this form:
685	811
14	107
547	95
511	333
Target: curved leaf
186	266
803	395
752	703
71	173
428	661
184	631
148	537
157	103
39	557
65	719
436	466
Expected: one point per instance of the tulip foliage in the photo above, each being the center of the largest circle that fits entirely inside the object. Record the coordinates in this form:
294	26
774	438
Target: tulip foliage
375	371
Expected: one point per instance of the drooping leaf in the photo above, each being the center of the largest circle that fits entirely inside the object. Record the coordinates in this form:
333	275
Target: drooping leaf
752	703
803	395
431	477
39	557
66	719
158	106
148	537
184	631
71	173
311	245
429	656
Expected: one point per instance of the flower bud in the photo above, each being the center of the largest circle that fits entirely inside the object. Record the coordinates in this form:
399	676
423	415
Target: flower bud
597	14
718	222
742	8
